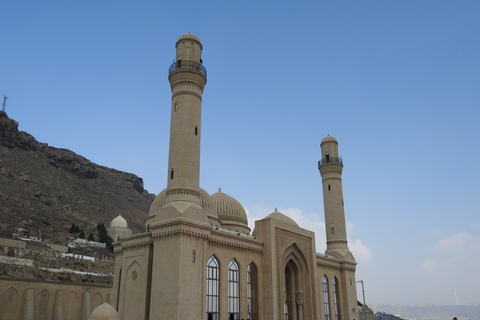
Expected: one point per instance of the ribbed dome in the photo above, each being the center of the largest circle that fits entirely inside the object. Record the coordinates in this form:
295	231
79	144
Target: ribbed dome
329	139
104	312
282	218
229	210
206	202
119	222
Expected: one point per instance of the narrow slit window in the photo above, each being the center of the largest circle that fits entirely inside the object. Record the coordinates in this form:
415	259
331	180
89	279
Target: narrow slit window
213	292
326	302
196	130
171	173
336	299
252	292
175	108
329	188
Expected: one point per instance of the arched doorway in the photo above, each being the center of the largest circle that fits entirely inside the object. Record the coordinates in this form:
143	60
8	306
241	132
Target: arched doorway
293	292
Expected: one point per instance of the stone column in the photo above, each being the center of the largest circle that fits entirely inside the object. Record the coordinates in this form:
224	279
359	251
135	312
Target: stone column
86	306
58	306
299	301
28	304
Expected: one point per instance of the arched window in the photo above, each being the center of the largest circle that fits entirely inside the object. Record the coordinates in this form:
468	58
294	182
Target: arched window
326	303
233	291
171	173
212	289
336	299
252	292
175	108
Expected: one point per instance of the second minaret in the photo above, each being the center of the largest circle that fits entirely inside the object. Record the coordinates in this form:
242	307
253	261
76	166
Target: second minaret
331	167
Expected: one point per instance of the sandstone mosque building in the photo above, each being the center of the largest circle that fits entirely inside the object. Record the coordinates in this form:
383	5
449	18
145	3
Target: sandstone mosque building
198	259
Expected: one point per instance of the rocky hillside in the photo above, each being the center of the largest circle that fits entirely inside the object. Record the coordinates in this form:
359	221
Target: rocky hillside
43	190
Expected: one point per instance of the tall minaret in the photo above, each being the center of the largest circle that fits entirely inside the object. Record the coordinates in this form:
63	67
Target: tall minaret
183	197
331	171
187	78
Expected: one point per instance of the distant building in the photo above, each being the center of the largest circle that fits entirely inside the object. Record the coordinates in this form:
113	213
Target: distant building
118	228
198	259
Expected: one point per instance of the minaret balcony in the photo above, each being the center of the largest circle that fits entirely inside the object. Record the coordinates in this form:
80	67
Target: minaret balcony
330	160
187	64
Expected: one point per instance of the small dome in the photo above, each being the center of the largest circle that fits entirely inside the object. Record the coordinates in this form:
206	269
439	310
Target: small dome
282	218
229	210
189	36
329	138
119	222
104	312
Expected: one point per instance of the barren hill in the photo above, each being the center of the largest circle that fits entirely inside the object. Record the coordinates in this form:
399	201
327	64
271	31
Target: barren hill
43	190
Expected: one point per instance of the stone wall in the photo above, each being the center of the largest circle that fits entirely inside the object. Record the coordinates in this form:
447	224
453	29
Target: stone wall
12	243
17	261
49	300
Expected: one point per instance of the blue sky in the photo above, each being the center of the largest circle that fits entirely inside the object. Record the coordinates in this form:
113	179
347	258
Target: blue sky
395	82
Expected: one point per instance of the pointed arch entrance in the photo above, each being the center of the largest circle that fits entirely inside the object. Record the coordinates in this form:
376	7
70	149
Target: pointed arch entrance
293	292
295	284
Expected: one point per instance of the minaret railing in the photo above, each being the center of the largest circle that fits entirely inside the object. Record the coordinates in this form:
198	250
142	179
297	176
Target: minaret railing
180	64
330	160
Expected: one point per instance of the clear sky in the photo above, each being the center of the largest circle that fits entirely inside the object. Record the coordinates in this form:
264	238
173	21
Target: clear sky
397	83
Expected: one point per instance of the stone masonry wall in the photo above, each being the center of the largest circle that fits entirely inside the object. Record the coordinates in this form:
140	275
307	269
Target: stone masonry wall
49	300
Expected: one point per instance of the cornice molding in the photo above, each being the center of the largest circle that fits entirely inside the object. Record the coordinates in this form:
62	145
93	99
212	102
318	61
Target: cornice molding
136	245
331	178
233	245
330	169
178	233
187	92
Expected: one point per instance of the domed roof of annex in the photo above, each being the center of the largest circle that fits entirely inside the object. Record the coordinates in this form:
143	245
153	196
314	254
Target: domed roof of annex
119	222
282	218
328	138
228	208
104	312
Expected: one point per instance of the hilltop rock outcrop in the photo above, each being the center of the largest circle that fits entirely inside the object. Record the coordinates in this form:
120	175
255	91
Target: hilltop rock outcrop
43	190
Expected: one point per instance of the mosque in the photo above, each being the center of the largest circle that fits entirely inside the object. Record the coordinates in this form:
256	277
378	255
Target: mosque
198	258
119	228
